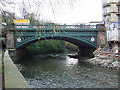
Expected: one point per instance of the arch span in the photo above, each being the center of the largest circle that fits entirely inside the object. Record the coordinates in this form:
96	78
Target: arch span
80	42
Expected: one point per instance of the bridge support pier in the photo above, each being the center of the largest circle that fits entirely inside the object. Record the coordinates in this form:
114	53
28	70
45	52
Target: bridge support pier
88	52
10	40
101	37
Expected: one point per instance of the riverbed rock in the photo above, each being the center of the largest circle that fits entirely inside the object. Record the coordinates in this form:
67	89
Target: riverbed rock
115	64
104	62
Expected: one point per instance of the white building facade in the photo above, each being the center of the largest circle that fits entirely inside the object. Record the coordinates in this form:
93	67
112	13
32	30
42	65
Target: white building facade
111	14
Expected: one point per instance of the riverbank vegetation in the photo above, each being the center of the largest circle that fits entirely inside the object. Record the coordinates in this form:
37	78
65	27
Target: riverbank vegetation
45	47
50	46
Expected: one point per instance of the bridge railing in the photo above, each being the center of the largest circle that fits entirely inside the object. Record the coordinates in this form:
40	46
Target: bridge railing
40	26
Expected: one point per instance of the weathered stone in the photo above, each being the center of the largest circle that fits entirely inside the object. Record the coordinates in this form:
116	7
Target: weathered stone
102	57
10	41
115	64
106	62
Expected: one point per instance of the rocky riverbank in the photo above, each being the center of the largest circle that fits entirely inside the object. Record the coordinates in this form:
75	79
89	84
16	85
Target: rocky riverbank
101	60
105	62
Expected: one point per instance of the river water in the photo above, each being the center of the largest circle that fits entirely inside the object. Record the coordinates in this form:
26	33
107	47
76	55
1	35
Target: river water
60	71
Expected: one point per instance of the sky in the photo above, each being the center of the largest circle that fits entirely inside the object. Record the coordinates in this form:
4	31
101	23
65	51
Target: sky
64	11
83	11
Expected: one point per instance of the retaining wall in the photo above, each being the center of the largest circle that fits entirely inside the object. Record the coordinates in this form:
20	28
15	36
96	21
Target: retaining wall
12	77
1	69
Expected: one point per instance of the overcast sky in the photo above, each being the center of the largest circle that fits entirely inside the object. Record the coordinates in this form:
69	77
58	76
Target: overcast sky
82	11
64	11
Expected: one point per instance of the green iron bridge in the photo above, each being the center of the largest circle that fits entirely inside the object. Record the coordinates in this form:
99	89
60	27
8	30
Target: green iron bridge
84	36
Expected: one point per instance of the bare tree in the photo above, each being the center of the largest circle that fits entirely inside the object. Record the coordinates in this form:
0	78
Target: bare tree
26	6
38	7
4	4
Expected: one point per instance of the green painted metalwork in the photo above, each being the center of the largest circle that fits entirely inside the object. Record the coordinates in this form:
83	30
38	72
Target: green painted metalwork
77	34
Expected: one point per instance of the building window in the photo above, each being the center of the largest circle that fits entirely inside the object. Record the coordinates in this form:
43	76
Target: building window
118	21
118	8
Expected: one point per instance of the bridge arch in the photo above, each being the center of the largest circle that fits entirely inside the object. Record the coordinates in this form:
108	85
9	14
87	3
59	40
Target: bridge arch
80	42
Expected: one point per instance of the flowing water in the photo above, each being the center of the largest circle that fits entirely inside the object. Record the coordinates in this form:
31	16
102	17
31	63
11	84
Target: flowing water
60	71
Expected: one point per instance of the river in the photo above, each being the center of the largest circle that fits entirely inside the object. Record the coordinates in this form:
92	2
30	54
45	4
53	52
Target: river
60	71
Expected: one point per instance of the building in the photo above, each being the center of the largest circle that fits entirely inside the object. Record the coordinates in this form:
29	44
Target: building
111	16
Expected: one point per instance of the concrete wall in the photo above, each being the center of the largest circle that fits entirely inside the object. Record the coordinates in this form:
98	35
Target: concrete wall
12	77
1	69
0	52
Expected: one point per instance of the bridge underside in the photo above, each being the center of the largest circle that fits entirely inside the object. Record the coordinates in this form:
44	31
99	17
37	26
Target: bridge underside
80	42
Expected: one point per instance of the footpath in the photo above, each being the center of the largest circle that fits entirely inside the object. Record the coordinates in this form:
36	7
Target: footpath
106	59
10	77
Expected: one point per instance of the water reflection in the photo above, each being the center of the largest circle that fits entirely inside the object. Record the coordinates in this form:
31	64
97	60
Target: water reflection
70	61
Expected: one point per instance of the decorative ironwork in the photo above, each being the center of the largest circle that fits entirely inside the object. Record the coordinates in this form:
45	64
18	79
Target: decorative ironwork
23	34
